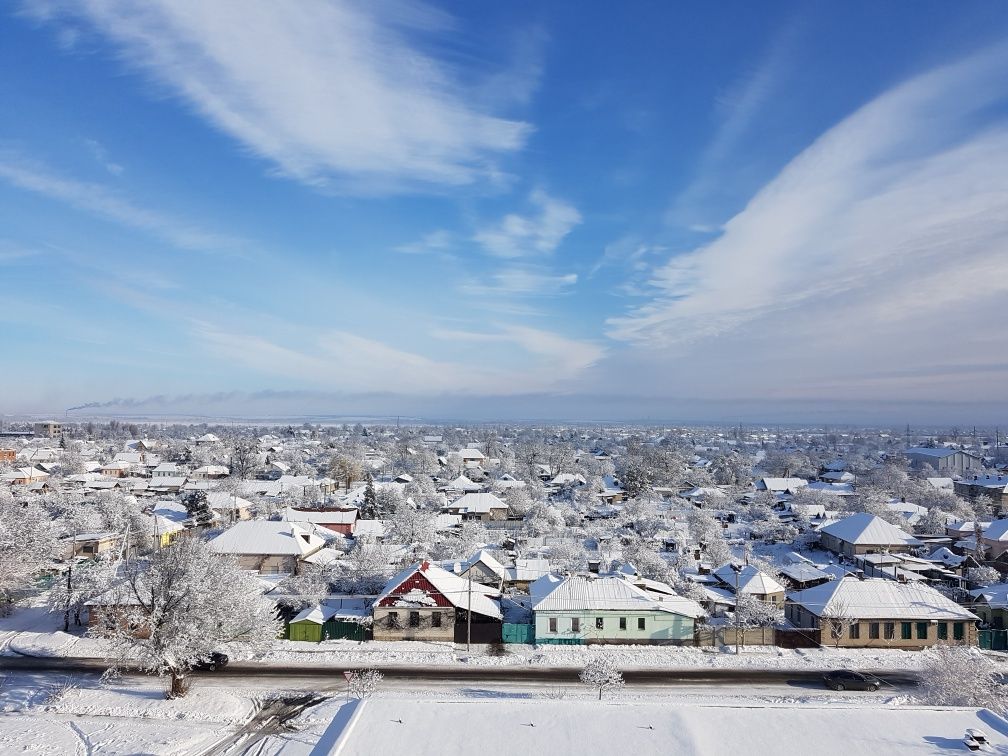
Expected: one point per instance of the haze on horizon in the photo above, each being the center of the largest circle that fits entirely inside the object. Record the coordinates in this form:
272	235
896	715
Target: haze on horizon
736	213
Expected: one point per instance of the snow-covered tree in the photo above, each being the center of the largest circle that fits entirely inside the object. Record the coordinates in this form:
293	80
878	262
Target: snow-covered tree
754	612
568	557
345	467
369	509
543	519
79	583
955	675
174	609
410	526
364	683
983	575
27	545
243	458
602	673
518	500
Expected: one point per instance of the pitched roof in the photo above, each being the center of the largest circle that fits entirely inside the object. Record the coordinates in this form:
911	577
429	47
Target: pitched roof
487	560
577	593
996	531
319	517
750	580
868	529
479	503
879	598
266	537
460	592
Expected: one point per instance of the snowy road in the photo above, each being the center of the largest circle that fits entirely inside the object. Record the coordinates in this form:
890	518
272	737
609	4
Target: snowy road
327	677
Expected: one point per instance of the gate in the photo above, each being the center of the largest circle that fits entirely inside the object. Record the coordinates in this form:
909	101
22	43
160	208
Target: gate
513	633
993	640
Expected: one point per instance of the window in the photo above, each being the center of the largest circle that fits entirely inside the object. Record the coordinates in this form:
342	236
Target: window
393	620
552	624
922	628
640	623
958	630
622	623
575	624
873	630
435	619
855	630
599	623
943	631
905	628
414	619
890	630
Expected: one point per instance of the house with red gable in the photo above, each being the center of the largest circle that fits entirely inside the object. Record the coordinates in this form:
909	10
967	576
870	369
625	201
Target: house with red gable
426	602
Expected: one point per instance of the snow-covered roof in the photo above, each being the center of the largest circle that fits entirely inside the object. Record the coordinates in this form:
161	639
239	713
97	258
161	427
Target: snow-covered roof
867	529
527	570
338	517
487	560
947	557
577	593
478	503
750	580
223	501
879	598
937	452
996	531
462	483
266	537
995	596
801	572
460	592
781	484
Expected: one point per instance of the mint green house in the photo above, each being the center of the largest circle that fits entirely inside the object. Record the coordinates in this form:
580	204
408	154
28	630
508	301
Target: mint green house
579	610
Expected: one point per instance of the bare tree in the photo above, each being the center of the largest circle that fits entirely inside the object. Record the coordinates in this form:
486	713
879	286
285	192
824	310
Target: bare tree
243	458
839	619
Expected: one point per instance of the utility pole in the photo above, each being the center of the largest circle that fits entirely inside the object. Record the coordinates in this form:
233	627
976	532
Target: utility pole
738	623
469	615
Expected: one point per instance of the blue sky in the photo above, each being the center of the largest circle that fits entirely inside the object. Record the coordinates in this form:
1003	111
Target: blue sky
505	210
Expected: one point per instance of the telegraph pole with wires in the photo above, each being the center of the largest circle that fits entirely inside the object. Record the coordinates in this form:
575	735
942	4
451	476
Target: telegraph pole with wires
469	614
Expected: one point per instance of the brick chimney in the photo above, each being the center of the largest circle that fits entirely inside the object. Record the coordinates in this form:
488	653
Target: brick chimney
424	565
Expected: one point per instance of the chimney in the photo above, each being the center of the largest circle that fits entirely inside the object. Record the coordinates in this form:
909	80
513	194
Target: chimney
424	565
860	574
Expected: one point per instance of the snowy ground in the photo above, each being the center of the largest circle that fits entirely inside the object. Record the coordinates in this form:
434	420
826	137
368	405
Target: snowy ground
128	716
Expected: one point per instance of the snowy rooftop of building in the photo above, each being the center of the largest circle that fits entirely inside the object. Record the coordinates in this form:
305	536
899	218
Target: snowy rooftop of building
864	528
266	537
505	726
880	598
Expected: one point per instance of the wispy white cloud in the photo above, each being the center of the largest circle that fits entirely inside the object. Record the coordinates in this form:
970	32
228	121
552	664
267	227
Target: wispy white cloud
533	235
355	363
439	242
736	110
100	154
523	281
98	200
332	92
882	244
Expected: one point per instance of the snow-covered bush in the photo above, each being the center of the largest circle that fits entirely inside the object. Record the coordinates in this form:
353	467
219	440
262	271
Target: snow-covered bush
962	676
364	683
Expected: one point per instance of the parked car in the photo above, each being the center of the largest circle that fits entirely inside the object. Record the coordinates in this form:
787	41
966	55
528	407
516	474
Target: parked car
846	679
215	661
